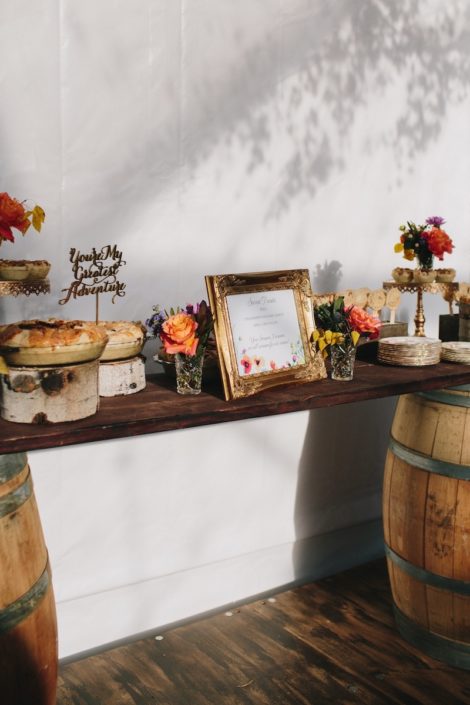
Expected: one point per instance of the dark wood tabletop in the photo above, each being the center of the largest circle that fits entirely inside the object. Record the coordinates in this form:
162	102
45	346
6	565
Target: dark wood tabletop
159	408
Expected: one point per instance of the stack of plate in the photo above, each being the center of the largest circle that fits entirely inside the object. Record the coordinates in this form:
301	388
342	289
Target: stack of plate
456	351
409	351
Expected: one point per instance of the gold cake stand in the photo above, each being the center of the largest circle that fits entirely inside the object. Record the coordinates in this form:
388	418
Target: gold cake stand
15	288
447	291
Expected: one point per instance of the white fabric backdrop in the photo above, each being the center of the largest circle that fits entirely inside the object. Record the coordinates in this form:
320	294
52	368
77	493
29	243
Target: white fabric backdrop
204	137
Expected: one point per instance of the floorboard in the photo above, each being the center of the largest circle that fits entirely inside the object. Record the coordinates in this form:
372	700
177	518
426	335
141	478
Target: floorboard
332	641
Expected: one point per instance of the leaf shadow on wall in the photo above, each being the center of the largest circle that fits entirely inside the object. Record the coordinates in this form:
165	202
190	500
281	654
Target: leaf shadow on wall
339	486
340	471
280	120
329	68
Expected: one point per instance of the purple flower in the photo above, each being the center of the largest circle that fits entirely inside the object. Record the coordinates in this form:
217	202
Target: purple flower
154	324
435	220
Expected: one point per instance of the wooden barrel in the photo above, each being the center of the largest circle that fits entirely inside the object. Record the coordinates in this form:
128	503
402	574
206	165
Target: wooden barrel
28	630
464	321
426	514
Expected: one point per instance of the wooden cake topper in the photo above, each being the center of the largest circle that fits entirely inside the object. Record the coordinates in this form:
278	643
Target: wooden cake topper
95	272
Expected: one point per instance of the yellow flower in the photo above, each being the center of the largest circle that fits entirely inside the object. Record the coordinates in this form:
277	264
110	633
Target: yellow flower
398	247
337	339
355	335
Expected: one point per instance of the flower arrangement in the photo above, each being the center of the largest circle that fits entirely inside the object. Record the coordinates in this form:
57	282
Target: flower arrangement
13	214
342	327
185	335
184	331
424	242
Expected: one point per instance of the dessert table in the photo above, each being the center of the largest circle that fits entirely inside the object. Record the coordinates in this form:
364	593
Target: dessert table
31	618
159	408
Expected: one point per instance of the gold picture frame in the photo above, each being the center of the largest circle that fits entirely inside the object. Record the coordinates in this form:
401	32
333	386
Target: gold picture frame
263	323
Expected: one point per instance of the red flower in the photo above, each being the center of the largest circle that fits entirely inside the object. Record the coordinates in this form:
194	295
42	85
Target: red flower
363	322
246	362
12	215
438	242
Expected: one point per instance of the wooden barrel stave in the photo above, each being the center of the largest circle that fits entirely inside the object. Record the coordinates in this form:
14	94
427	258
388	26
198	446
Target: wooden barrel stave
426	512
28	629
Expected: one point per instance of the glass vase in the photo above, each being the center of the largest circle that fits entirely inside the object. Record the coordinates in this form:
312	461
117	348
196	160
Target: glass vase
188	373
342	362
425	260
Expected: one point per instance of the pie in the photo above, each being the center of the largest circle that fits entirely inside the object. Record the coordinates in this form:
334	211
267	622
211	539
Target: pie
50	342
125	339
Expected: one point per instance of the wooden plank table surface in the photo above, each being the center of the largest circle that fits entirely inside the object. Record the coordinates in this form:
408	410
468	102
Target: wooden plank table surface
159	408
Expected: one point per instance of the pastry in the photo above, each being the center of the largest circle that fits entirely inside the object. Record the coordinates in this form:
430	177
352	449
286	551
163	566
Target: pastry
49	342
125	339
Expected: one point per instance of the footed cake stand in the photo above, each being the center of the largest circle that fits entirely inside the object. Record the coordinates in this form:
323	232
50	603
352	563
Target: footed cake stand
447	291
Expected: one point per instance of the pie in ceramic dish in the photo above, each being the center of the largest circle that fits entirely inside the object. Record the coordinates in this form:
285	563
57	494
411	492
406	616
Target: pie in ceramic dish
38	269
21	269
51	342
13	270
125	339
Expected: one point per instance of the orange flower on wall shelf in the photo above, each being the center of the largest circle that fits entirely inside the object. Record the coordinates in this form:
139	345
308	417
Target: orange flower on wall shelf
13	214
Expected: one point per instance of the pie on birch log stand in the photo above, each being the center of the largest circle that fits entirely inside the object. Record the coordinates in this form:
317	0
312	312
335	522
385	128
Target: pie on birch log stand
53	370
122	368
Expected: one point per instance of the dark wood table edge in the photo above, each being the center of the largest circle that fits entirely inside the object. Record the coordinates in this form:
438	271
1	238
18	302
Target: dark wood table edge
159	408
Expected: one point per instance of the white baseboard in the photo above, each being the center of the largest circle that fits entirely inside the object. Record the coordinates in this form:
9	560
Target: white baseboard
89	623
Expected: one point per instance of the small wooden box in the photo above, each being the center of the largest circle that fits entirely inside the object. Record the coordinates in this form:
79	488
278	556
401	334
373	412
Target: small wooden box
393	330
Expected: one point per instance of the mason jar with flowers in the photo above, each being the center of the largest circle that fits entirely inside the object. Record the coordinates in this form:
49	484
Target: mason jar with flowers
422	243
338	332
185	335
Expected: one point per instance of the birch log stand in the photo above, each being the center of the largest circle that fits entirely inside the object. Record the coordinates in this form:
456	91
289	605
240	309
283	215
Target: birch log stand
28	651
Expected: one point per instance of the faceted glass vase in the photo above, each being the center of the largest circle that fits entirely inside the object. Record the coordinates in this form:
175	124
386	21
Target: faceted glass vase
188	373
342	362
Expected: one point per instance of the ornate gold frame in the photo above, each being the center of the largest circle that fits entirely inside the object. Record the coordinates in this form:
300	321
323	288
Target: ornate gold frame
222	285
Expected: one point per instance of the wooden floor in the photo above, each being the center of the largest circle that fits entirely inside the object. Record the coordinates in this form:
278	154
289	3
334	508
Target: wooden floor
333	641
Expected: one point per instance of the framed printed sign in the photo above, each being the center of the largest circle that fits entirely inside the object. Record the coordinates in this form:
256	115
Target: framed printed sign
263	324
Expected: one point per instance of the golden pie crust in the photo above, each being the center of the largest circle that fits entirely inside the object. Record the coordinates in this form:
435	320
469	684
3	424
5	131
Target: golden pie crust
125	339
49	342
21	269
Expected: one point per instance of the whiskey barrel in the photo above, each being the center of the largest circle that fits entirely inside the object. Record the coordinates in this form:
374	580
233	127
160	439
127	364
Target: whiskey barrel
426	514
28	631
464	321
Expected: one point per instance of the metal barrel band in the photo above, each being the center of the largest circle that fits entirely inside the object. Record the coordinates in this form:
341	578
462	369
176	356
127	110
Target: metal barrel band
443	396
424	462
11	465
15	613
455	653
458	587
13	500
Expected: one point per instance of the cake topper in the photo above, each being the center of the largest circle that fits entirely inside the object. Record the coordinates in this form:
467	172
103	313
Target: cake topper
95	272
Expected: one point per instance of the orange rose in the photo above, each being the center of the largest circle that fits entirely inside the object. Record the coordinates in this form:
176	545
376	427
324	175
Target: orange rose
439	242
12	215
363	322
179	334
